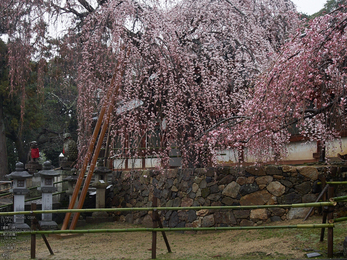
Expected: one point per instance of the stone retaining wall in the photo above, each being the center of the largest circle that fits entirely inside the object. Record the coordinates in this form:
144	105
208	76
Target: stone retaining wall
221	187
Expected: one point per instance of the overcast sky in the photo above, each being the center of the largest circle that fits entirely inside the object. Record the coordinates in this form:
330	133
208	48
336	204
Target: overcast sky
309	6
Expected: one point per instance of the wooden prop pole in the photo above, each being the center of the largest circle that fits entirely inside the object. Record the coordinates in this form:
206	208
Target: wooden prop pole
110	102
91	148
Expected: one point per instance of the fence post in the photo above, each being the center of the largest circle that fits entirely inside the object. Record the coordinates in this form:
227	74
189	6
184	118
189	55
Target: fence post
155	225
325	209
33	236
330	229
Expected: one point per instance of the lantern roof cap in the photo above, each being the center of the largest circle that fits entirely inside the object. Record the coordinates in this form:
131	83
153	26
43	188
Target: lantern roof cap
48	170
102	170
19	173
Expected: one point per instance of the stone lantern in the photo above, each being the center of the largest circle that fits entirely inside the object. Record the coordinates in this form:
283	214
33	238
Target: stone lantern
71	183
19	177
100	184
47	188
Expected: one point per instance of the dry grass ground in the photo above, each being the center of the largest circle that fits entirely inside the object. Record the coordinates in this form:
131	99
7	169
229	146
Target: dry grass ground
239	244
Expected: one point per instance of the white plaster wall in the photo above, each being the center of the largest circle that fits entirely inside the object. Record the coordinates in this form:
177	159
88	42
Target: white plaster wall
135	163
337	146
119	164
300	151
227	156
295	151
152	162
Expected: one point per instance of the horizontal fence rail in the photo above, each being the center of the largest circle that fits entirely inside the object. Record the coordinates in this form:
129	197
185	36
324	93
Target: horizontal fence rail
342	198
299	205
30	188
31	199
338	220
165	229
156	220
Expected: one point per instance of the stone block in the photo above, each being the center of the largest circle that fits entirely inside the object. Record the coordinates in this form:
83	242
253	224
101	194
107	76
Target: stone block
248	188
257	198
201	171
186	202
176	202
264	180
256	171
214	197
216	203
290	198
191	216
250	180
275	218
276	188
214	188
288	169
196	223
241	180
273	170
259	214
227	201
174	219
241	213
208	221
296	213
203	184
231	190
225	217
147	221
227	179
277	211
183	215
202	212
307	198
205	192
309	172
198	180
303	188
246	222
172	173
287	183
195	187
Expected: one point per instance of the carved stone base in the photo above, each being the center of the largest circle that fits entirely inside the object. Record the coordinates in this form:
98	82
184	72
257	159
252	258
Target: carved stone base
33	167
48	225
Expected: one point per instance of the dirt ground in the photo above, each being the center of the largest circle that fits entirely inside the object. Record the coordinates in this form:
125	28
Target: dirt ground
238	244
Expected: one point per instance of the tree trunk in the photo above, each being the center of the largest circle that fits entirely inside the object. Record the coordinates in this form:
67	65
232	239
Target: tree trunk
22	155
3	147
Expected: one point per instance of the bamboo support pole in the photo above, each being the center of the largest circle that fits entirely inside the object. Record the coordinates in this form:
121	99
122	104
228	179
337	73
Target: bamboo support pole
338	220
334	182
91	231
301	205
341	198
